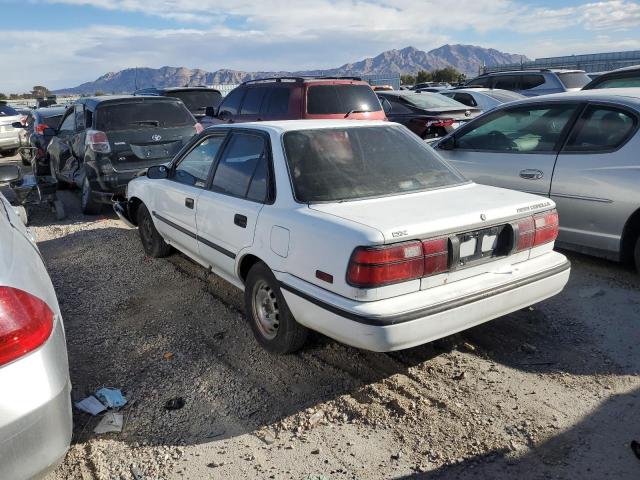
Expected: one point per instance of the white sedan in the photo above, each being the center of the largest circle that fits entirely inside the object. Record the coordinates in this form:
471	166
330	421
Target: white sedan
357	230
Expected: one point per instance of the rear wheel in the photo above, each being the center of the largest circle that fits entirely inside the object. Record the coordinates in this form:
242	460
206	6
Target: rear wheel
152	242
90	206
272	323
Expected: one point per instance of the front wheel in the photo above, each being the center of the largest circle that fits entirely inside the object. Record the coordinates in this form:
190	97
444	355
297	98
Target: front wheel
272	323
90	206
152	242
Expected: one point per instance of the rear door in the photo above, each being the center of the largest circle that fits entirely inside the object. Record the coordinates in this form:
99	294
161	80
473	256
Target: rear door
594	185
252	104
175	198
60	146
228	211
513	147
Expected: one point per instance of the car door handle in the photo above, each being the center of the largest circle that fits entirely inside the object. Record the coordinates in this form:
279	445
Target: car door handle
531	174
188	202
240	220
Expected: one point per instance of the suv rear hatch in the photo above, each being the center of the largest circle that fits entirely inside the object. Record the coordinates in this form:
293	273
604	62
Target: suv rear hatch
197	100
145	132
334	100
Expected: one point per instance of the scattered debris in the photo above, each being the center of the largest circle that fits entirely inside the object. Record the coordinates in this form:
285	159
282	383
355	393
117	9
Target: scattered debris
469	347
460	376
91	405
635	448
218	335
111	422
316	451
528	348
315	418
591	292
215	464
168	356
396	456
174	403
111	397
137	474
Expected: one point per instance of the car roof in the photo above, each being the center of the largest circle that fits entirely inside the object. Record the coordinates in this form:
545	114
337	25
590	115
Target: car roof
283	126
623	69
158	90
305	80
50	111
626	96
95	101
405	93
533	70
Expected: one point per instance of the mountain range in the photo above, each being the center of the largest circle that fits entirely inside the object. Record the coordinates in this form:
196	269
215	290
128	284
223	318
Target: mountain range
464	58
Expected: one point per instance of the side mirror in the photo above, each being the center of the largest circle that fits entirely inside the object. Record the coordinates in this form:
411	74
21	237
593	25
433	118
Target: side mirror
448	143
210	111
9	173
221	114
17	125
157	172
49	132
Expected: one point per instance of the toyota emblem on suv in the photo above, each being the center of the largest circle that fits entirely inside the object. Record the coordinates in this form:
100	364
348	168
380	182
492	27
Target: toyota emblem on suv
156	137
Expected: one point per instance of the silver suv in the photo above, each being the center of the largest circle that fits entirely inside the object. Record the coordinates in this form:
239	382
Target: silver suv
532	83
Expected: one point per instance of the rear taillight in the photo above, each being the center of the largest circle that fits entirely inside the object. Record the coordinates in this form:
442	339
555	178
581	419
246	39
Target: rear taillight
372	267
537	230
199	128
98	141
25	323
41	128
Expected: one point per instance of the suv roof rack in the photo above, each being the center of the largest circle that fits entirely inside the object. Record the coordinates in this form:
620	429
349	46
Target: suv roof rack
300	78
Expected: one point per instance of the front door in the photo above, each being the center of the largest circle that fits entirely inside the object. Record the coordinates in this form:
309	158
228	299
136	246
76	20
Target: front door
513	148
174	205
227	213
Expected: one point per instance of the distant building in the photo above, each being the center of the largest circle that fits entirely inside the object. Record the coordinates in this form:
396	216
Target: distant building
593	62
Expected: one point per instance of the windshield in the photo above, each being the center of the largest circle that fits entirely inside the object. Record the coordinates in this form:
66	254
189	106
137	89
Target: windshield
574	80
198	100
505	96
619	82
333	99
336	164
7	111
432	100
143	114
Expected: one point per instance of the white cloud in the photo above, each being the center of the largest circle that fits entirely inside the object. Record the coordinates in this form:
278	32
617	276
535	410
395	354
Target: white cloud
292	35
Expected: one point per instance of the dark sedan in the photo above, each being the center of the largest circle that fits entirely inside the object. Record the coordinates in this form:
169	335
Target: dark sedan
40	126
428	115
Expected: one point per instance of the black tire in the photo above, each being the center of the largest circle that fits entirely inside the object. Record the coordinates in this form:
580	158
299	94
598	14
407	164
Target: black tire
10	153
87	199
280	332
636	254
152	242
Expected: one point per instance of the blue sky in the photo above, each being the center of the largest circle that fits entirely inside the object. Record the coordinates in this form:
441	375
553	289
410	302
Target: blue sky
61	43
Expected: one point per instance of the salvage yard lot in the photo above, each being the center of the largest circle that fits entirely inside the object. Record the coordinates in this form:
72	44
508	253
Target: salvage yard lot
550	392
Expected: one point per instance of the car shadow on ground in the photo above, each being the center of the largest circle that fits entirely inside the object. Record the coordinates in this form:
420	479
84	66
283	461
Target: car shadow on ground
596	447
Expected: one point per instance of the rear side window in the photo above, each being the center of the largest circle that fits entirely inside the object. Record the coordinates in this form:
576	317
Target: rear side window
241	162
527	82
52	121
146	114
334	99
574	80
480	81
465	99
619	82
253	101
278	102
506	82
7	111
601	128
231	103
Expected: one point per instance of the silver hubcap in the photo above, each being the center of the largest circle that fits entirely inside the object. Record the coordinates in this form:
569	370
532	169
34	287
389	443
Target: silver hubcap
265	310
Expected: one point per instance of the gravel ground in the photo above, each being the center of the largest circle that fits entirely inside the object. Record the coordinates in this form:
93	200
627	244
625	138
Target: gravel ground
548	392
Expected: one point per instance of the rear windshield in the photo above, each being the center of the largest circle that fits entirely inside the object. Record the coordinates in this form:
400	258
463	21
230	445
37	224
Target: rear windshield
574	80
52	121
505	96
432	100
332	99
132	115
198	100
336	164
7	111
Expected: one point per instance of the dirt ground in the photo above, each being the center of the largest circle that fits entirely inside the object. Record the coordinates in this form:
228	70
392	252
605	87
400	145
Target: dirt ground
548	392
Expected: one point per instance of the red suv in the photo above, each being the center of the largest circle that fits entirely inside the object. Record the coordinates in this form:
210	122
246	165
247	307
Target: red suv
295	98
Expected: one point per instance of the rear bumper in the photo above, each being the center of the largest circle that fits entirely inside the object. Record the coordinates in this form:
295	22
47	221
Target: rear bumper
10	141
35	411
427	315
